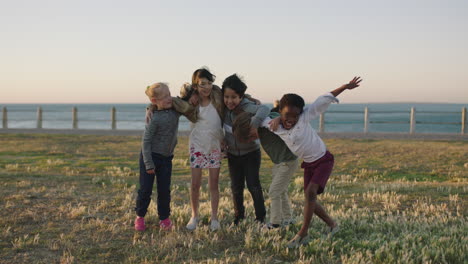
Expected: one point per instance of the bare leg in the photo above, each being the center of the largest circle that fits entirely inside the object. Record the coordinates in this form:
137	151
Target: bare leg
320	212
195	190
214	191
309	207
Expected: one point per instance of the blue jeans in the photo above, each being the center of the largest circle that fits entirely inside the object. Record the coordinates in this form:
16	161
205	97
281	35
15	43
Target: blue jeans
163	169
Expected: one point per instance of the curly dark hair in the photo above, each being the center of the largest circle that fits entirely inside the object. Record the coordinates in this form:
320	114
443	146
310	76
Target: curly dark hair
235	83
291	100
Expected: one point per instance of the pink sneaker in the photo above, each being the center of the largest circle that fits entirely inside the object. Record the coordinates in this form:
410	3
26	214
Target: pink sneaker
165	224
140	224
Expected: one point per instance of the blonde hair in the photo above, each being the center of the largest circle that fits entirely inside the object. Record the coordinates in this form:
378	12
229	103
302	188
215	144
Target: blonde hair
153	90
276	103
186	91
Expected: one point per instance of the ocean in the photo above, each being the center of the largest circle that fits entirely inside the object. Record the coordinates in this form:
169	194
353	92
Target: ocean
383	117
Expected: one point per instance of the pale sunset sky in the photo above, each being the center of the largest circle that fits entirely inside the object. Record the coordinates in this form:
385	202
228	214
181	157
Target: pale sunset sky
108	51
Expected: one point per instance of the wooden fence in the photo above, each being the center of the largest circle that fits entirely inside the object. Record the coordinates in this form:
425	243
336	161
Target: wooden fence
322	122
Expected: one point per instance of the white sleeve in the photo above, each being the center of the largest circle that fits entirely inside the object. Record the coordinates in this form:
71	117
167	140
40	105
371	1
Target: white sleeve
320	105
266	122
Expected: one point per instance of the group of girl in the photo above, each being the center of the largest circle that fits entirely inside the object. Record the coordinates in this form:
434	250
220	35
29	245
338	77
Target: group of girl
215	111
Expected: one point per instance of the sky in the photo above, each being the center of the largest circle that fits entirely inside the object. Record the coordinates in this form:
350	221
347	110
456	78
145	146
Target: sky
104	51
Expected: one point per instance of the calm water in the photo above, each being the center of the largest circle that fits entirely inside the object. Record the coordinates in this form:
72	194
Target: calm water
338	118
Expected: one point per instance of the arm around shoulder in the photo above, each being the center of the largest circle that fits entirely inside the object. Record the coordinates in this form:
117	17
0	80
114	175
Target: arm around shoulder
185	109
322	102
261	113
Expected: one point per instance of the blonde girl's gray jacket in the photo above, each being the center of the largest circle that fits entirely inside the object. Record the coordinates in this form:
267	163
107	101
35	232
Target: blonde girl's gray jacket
260	113
160	135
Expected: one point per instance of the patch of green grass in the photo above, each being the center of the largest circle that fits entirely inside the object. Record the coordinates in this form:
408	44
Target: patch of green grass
70	199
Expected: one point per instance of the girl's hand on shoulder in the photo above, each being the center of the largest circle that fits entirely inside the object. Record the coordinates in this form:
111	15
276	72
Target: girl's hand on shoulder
193	100
224	148
223	145
149	115
150	171
274	124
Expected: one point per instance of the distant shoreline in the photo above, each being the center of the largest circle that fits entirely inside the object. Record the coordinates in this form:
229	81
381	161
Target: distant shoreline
326	135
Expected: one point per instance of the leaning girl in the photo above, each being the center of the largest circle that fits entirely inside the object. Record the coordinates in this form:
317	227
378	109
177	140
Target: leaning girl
293	126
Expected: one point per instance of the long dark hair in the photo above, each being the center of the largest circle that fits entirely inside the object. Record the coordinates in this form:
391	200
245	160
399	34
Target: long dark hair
202	73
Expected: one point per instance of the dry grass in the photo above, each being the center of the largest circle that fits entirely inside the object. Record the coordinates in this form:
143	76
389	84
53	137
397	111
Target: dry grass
70	199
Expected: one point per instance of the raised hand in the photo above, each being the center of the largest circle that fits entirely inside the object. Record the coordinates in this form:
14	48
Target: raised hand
353	83
349	86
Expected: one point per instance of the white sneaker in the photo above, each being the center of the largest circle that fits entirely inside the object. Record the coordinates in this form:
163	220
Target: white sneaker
215	225
192	224
334	230
298	241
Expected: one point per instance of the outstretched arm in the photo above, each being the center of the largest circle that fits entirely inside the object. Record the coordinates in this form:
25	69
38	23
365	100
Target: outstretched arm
322	102
349	86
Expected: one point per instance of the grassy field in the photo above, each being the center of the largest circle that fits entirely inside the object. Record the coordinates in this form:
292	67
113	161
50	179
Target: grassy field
70	199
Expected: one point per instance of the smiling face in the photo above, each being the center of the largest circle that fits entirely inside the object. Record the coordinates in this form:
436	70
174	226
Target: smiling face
231	98
204	87
289	116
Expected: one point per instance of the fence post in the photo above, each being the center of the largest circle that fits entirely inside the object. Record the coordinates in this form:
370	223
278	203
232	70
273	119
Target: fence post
4	117
39	117
113	120
322	122
75	117
412	120
463	120
366	119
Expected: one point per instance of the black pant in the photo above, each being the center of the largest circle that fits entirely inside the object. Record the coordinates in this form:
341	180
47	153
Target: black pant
163	169
243	169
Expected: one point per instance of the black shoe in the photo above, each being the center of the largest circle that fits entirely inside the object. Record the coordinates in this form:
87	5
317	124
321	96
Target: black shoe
289	222
271	226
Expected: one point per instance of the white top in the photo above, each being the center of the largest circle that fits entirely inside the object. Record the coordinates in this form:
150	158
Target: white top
207	132
302	139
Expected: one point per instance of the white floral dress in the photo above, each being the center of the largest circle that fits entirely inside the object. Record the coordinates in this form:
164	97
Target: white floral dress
205	139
